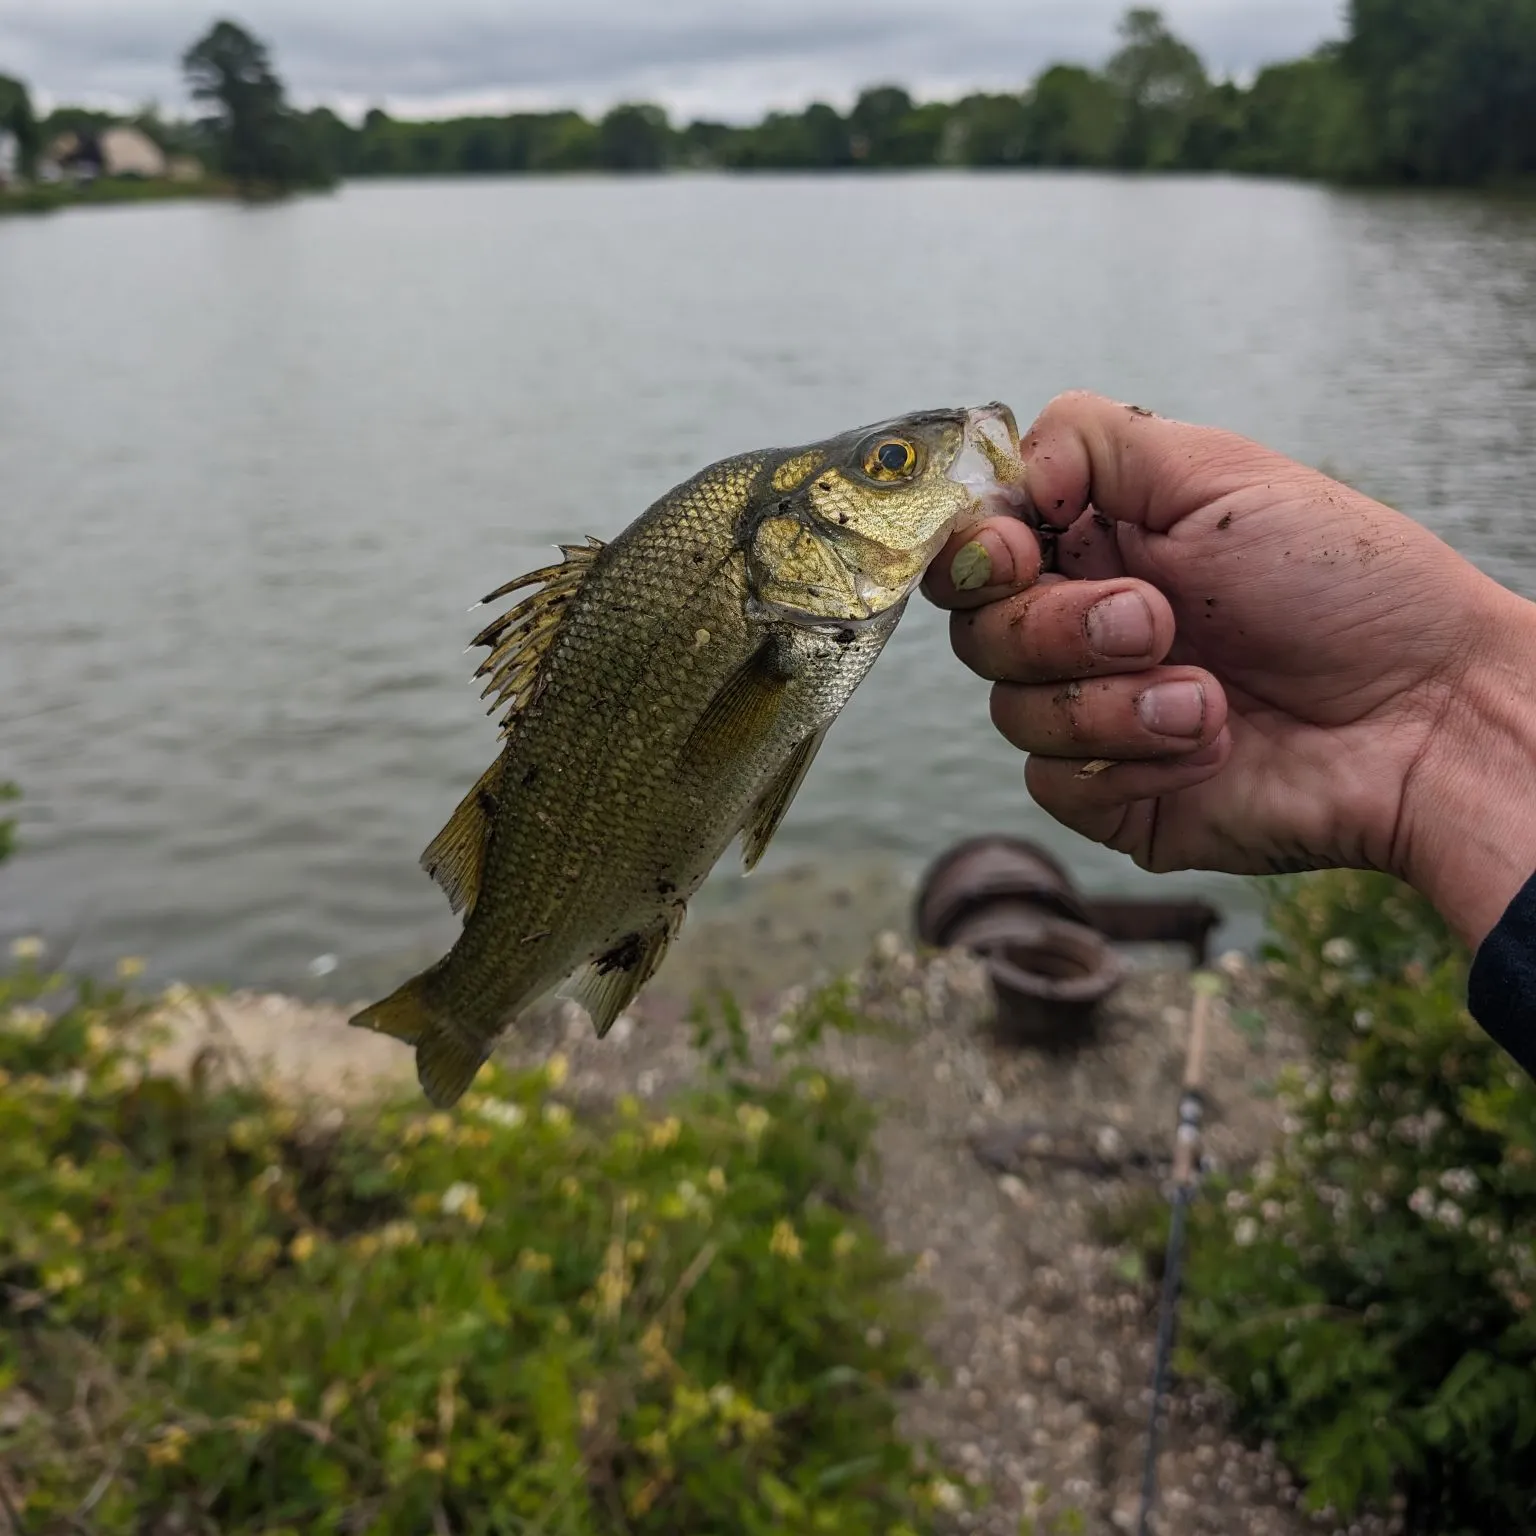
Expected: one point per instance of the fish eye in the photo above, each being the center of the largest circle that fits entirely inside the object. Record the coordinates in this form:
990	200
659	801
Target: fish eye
890	458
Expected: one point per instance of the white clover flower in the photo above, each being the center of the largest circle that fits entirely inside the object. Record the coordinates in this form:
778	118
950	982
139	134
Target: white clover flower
1449	1214
501	1112
27	947
457	1196
1422	1202
1458	1181
1339	952
1245	1232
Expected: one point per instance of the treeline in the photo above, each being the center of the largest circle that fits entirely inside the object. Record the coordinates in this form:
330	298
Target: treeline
1430	91
1420	91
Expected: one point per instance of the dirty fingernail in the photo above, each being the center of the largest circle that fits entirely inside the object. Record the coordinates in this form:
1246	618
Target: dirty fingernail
1173	709
1120	626
972	567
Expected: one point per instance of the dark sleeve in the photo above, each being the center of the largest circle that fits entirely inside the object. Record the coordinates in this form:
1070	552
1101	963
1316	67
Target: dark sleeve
1501	990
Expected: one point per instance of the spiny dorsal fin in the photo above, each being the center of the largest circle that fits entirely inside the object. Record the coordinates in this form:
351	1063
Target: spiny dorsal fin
520	639
765	816
607	986
455	858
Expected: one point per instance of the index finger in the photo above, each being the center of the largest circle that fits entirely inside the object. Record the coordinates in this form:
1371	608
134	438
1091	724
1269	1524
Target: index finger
1130	465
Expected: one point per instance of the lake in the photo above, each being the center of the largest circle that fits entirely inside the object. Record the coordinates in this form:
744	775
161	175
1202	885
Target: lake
255	464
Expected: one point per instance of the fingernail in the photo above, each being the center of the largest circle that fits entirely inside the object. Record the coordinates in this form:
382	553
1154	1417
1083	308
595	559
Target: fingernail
1173	709
972	567
1120	626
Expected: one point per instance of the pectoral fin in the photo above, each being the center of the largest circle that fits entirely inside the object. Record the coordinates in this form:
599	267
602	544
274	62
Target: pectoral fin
744	710
775	801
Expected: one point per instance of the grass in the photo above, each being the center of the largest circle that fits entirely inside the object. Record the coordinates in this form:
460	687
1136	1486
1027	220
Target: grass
526	1317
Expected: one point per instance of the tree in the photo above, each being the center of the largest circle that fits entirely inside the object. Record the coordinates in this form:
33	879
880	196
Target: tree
634	138
16	115
1073	117
258	141
1160	81
1450	86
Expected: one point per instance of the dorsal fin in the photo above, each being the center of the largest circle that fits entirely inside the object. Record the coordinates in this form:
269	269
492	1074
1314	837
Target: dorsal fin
520	639
455	858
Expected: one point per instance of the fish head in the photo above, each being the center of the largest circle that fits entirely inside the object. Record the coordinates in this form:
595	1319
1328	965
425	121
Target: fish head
841	532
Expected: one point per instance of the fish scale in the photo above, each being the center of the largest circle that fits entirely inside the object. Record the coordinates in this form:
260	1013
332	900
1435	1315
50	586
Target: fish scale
664	693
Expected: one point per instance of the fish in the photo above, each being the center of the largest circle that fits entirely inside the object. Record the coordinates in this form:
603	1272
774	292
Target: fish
666	693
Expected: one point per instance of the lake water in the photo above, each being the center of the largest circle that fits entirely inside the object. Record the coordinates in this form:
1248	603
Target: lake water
255	465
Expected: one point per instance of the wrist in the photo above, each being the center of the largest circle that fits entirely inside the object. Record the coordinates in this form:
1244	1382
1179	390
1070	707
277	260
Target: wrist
1469	812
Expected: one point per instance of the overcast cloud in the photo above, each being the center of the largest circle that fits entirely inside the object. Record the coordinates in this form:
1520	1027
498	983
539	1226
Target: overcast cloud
718	58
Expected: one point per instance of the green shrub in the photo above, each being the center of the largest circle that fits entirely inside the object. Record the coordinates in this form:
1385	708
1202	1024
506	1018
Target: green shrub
219	1317
1367	1296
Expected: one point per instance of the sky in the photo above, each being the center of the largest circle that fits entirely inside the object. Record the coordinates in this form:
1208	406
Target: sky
726	59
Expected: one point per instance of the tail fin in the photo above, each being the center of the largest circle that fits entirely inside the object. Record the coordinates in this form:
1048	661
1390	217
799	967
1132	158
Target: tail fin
446	1058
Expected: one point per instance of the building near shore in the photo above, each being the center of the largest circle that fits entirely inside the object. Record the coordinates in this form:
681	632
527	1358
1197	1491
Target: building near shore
130	152
117	151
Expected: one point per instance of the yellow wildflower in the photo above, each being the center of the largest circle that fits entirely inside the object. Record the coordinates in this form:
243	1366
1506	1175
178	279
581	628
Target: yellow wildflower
785	1242
715	1178
283	1410
642	1498
399	1234
556	1069
333	1400
843	1244
570	1186
665	1132
587	1408
753	1119
61	1226
97	1038
130	966
434	1461
166	1450
28	947
629	1106
535	1263
654	1444
65	1278
249	1353
557	1116
302	1247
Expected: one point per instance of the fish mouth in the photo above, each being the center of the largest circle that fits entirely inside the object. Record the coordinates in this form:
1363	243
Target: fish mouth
989	465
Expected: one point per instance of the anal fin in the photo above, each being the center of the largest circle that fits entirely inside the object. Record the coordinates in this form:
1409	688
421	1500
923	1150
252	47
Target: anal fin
764	818
455	858
607	986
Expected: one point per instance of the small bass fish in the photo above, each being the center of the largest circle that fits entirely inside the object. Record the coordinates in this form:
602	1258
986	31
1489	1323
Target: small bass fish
665	693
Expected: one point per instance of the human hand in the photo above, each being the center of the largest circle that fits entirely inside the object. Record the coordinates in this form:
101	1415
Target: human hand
1284	673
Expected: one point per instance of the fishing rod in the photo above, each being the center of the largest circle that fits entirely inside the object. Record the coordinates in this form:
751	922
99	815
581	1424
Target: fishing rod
1186	1174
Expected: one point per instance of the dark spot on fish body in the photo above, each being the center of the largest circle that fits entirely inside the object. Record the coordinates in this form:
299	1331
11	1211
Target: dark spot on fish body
844	637
698	557
530	775
823	485
487	802
842	519
624	956
665	888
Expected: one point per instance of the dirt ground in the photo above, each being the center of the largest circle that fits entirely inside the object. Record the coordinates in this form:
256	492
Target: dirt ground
1043	1339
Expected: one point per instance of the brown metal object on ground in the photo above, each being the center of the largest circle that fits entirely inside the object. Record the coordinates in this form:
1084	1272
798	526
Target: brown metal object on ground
1189	923
1047	949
